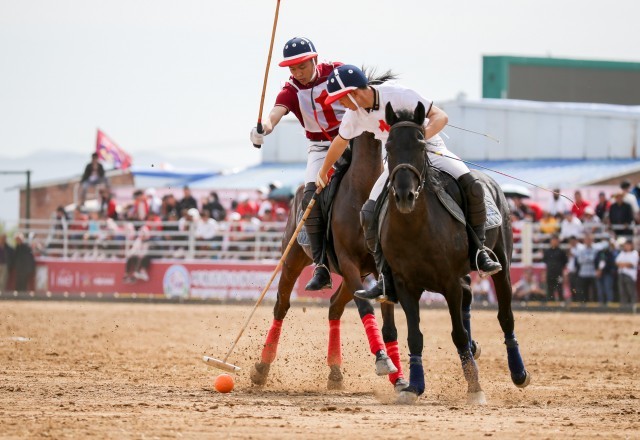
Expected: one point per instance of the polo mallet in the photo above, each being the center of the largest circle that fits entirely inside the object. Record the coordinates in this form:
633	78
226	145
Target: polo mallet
266	72
222	364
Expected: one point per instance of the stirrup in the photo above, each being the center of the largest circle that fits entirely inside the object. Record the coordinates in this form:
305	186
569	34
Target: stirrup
482	273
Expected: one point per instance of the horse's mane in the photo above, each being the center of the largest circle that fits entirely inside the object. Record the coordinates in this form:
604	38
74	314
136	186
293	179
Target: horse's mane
376	79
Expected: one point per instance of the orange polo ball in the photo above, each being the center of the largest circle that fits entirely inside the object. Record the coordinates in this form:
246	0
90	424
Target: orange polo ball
223	383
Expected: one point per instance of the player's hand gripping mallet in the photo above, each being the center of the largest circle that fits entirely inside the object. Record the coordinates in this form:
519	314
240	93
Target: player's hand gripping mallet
266	73
223	364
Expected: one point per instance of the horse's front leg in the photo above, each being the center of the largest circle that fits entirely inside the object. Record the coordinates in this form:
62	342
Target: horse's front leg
291	269
453	295
410	301
334	352
467	298
351	277
390	337
519	375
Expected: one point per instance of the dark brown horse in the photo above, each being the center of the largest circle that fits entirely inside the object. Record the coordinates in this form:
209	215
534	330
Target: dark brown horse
354	263
427	249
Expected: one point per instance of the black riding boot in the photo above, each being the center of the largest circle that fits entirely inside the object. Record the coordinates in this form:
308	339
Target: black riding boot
477	216
315	231
383	290
366	219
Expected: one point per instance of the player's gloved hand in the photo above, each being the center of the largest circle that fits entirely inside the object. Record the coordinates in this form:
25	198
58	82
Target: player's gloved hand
321	181
257	139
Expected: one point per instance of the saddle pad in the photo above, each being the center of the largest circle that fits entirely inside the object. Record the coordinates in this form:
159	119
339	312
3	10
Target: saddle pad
494	218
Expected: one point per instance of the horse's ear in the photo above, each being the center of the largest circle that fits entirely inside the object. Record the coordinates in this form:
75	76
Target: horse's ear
419	114
390	114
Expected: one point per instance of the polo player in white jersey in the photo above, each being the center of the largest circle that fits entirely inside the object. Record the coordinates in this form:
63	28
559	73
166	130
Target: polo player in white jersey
348	85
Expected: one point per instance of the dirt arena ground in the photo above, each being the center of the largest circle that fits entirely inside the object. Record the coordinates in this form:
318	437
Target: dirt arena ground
101	370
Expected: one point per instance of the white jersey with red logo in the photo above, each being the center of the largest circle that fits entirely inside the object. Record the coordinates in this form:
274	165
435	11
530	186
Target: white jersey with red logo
354	123
301	100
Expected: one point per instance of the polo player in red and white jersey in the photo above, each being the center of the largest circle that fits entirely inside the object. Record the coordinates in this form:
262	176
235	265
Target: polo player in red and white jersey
304	95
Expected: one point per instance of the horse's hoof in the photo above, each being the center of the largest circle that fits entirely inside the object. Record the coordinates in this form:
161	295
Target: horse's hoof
476	349
522	382
259	373
384	365
335	378
477	398
401	384
407	397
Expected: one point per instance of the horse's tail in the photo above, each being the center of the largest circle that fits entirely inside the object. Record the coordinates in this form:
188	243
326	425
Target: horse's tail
375	78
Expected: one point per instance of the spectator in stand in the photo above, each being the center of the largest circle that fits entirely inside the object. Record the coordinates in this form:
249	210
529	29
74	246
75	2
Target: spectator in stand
586	261
6	261
264	203
590	221
188	201
60	226
570	226
625	187
557	205
153	201
627	262
154	225
169	204
572	266
171	230
528	287
24	263
218	212
621	216
606	271
206	231
108	208
140	208
579	205
281	214
247	208
78	227
93	176
602	208
549	224
533	209
555	260
482	290
139	257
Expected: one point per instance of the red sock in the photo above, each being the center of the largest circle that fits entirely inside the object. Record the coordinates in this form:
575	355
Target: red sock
334	357
373	334
271	345
394	354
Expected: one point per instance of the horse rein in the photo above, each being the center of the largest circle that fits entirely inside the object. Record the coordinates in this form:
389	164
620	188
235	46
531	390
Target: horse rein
405	166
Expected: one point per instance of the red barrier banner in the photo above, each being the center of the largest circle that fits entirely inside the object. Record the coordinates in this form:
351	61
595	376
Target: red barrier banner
168	278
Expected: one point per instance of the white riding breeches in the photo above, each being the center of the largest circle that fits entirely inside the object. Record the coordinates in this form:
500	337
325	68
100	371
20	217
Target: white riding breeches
452	166
316	153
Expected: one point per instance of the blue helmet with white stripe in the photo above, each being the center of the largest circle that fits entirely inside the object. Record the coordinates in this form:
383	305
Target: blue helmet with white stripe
343	80
297	50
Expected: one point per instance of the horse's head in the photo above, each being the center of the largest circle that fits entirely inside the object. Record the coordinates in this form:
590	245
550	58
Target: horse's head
406	155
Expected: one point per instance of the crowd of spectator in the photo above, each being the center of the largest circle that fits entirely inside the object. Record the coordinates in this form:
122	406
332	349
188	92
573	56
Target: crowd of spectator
588	247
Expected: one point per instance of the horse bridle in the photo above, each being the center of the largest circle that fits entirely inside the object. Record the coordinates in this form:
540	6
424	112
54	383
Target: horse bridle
405	166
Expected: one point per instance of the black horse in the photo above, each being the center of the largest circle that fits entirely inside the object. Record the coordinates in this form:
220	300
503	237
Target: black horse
427	248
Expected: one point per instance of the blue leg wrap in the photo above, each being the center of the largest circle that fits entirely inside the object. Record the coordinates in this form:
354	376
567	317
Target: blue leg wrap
416	373
516	364
466	322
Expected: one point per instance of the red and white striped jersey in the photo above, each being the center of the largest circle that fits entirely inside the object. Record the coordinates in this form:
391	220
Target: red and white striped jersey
301	100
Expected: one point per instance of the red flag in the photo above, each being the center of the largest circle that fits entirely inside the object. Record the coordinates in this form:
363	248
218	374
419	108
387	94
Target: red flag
109	152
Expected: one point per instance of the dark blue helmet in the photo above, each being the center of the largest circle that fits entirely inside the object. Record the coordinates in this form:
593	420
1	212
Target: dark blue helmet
297	50
343	80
